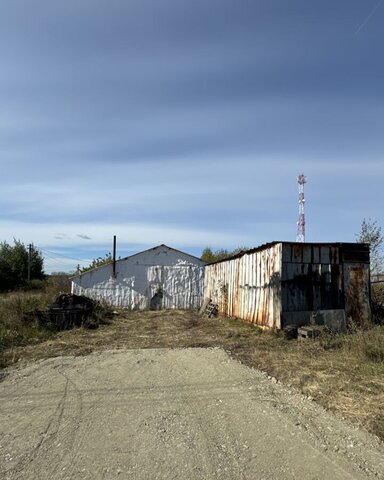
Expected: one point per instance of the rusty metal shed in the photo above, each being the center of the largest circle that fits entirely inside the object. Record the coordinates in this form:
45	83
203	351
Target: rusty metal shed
285	283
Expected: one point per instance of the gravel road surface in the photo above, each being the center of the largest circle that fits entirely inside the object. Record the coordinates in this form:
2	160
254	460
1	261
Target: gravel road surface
170	414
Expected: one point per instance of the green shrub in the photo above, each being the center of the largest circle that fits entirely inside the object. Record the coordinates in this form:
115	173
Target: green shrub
56	284
35	284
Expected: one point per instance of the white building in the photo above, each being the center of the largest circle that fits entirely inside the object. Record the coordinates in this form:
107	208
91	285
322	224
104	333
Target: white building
160	277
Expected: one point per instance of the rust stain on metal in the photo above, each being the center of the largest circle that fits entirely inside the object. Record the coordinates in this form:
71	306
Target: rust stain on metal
251	284
357	294
282	283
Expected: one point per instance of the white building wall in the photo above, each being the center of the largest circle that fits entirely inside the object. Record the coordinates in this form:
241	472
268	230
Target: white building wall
179	276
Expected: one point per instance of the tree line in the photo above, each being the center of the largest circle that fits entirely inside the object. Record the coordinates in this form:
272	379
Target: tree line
18	259
17	263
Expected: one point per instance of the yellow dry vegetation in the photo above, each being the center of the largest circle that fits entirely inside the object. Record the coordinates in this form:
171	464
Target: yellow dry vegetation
344	373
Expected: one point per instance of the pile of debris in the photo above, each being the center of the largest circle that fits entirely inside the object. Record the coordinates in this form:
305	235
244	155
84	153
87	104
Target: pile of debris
209	308
67	312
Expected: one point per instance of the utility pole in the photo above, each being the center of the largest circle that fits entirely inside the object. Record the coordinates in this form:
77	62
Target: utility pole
29	261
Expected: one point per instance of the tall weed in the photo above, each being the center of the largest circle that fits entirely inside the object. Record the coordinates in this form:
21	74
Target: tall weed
367	344
14	306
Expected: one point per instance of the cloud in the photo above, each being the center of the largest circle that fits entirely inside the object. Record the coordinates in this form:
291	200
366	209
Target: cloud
61	236
131	239
366	20
187	122
141	234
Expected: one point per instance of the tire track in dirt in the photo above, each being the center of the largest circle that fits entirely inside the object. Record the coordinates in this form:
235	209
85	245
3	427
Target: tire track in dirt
44	453
59	442
170	414
201	435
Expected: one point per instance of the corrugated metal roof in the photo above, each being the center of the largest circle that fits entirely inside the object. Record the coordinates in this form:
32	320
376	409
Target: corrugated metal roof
265	246
158	246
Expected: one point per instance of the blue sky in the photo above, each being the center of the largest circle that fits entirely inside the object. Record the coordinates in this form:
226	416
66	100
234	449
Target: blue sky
187	123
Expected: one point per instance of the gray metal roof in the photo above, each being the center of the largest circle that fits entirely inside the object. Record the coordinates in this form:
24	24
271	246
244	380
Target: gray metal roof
134	255
265	246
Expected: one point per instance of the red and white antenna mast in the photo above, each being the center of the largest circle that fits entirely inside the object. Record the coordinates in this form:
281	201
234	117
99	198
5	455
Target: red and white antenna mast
300	236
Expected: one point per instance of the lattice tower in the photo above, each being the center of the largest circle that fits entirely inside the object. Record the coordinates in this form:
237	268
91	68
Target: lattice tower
300	236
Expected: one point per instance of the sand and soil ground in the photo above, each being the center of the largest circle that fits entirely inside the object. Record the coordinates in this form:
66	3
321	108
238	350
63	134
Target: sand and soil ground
170	414
140	398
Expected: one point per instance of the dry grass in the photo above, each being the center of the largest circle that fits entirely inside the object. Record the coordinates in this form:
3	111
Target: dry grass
19	328
13	330
344	373
165	329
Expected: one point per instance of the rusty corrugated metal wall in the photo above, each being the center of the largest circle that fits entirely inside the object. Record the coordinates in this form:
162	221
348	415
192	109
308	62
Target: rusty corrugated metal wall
248	286
325	277
283	283
356	283
311	280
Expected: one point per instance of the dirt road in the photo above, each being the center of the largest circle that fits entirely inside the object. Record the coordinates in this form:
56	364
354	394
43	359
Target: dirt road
170	414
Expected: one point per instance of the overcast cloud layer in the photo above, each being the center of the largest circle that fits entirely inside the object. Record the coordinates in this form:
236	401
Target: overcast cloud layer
187	123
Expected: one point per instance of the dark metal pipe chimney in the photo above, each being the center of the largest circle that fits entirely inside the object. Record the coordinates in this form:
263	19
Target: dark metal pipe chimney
114	257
